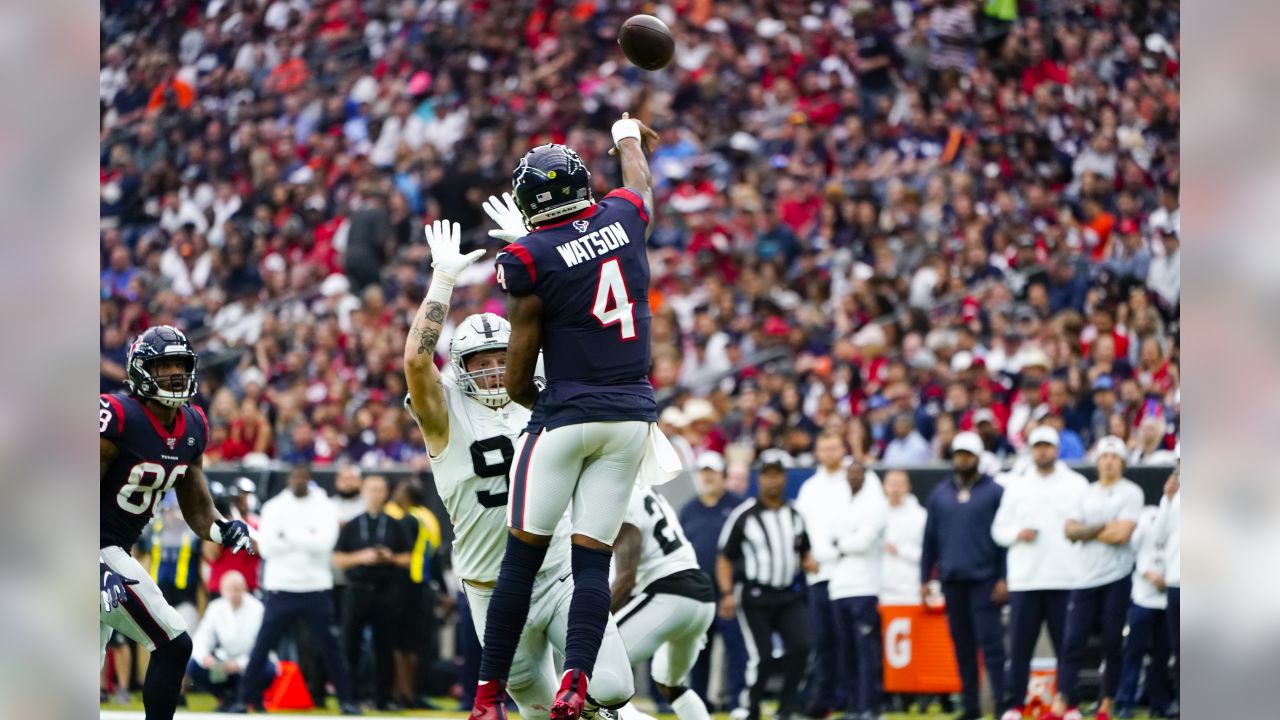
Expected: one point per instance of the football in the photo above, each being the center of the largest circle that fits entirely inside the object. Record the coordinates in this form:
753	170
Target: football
647	42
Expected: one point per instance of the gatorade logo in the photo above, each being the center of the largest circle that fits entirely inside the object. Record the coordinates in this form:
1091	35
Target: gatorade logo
897	643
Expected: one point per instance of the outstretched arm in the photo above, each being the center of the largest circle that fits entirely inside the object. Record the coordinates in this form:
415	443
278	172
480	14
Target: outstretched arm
525	314
633	139
426	389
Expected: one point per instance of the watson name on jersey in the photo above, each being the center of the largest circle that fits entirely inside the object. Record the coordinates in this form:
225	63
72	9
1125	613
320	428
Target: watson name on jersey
592	275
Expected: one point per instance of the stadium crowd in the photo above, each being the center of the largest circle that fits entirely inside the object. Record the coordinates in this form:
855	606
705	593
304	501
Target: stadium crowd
930	216
892	222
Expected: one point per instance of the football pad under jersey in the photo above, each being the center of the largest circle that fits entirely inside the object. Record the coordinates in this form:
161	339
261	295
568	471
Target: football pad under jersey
150	461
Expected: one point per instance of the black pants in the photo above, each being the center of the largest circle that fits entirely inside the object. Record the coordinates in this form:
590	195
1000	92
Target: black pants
735	659
378	607
861	657
1103	607
974	622
1029	610
1173	619
281	609
764	612
1148	635
821	687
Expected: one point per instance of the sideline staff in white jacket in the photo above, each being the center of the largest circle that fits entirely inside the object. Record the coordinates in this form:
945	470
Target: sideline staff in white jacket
296	535
1148	632
821	500
1042	562
903	540
1169	532
855	591
1102	524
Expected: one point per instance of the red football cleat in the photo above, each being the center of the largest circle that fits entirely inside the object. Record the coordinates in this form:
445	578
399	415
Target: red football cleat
571	696
491	701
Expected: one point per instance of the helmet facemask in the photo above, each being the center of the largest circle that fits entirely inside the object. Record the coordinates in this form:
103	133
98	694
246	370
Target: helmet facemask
145	384
480	333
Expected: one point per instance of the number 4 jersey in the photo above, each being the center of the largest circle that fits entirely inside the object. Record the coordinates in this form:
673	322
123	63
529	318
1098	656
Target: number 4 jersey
591	273
150	461
471	476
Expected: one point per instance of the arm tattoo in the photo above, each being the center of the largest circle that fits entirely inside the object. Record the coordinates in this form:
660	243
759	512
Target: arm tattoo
427	329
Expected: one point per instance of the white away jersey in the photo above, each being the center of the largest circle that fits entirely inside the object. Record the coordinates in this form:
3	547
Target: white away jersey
471	475
665	550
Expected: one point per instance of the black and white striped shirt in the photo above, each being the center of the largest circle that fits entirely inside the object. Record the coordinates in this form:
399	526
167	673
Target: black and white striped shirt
765	545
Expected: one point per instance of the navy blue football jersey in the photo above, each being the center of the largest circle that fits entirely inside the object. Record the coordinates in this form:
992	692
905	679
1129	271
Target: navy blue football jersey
151	460
592	275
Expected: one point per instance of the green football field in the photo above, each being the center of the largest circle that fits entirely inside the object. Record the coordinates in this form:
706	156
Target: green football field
200	707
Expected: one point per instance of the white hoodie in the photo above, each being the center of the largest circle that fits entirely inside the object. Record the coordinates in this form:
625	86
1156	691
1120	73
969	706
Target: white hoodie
900	576
1042	503
1169	534
1150	557
859	539
821	502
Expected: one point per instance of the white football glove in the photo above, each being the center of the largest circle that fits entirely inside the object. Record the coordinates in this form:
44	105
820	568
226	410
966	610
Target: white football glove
444	237
509	218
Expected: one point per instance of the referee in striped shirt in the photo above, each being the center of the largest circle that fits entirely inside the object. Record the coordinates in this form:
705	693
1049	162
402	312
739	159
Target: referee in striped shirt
763	549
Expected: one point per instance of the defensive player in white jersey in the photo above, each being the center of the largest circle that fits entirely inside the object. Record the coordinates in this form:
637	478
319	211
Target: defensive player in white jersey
470	427
662	601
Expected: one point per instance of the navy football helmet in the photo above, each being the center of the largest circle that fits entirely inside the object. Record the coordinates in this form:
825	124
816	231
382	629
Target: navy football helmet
156	343
551	181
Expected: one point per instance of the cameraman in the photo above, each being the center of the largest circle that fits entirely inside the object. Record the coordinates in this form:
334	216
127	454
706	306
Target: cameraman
374	552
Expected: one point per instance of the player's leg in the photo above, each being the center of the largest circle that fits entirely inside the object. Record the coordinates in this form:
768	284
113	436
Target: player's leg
356	604
1082	610
645	623
1159	689
675	658
612	459
613	683
532	679
963	641
150	620
542	481
757	635
822	667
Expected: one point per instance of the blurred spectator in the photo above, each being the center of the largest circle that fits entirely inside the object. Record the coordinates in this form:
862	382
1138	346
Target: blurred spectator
296	535
1042	562
223	640
822	501
1102	525
1168	532
903	535
907	447
855	588
243	496
418	622
958	551
1148	629
374	551
703	519
1148	449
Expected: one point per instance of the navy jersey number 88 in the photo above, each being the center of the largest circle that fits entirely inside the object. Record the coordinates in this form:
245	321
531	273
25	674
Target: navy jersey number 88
591	273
